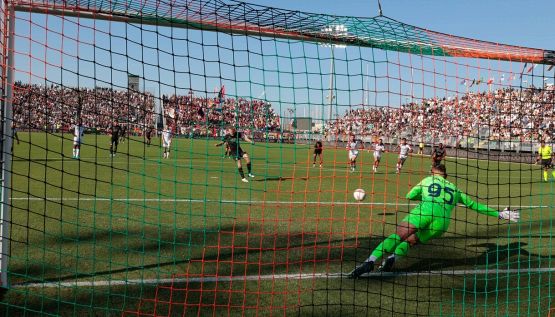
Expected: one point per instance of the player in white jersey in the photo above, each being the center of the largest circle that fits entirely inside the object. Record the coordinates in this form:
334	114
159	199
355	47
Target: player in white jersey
379	148
353	146
78	132
167	141
404	150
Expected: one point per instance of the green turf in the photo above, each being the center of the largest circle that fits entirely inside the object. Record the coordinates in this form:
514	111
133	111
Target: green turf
139	217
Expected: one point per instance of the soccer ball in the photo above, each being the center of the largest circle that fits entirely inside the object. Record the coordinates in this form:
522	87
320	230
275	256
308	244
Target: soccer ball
359	194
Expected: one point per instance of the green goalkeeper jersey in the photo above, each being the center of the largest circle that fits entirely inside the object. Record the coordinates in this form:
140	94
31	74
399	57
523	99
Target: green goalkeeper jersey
439	197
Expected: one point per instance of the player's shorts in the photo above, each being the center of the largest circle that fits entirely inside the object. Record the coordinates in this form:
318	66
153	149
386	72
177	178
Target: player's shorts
353	154
377	156
238	154
403	158
317	151
546	163
166	142
115	141
429	225
77	141
436	163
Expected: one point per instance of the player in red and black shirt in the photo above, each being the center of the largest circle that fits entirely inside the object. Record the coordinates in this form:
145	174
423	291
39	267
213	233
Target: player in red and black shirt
149	132
116	134
233	139
318	148
438	155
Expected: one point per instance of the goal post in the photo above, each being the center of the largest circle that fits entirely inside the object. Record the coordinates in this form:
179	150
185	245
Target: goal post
7	139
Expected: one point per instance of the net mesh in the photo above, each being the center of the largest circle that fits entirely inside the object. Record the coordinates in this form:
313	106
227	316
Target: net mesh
121	204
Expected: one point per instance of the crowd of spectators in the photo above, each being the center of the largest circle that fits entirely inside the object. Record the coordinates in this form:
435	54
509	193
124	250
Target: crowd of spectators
57	108
503	114
499	115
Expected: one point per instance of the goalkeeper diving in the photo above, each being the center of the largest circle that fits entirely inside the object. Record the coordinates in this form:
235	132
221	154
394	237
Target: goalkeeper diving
430	219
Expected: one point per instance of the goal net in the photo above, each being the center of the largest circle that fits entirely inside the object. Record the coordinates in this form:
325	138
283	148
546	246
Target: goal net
202	157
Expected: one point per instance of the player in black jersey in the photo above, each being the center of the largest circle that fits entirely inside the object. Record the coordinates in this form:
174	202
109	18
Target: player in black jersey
233	139
116	133
149	132
318	148
227	151
438	155
123	133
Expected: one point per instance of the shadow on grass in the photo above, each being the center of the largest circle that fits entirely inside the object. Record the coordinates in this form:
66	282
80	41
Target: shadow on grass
279	178
254	249
493	255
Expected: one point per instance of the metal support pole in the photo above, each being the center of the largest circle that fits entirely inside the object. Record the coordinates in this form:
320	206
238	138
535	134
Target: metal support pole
7	141
332	71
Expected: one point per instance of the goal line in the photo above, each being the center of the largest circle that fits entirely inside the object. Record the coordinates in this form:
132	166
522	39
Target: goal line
290	276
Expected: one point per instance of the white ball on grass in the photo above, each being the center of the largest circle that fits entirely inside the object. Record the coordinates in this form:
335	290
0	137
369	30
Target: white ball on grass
359	194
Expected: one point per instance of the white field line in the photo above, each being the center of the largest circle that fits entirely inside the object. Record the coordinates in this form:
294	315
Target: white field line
268	202
525	174
290	276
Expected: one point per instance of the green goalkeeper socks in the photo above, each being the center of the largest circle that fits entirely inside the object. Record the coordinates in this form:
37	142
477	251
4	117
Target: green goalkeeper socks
402	249
545	176
388	245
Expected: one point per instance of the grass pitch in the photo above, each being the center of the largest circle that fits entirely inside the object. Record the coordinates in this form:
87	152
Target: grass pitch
102	235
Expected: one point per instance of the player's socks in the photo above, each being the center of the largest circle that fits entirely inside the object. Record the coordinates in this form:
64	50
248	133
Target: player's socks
77	152
388	245
402	249
545	176
241	172
553	174
249	167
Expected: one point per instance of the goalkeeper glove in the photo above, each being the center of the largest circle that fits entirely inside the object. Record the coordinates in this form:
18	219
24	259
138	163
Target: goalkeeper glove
511	215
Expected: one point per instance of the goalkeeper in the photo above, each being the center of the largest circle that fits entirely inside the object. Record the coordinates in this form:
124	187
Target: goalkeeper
430	219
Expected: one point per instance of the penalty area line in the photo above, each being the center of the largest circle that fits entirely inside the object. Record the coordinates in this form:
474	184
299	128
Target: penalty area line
290	276
248	202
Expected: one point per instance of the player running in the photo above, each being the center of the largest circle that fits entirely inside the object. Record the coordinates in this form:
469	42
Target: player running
123	133
14	133
318	148
545	154
430	219
379	148
227	151
167	141
438	155
353	146
78	133
116	132
404	150
233	139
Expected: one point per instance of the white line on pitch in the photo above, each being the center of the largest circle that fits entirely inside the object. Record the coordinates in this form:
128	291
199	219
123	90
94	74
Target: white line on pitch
186	200
290	276
276	166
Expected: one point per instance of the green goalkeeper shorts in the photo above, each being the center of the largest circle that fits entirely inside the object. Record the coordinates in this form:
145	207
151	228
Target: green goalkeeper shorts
428	225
